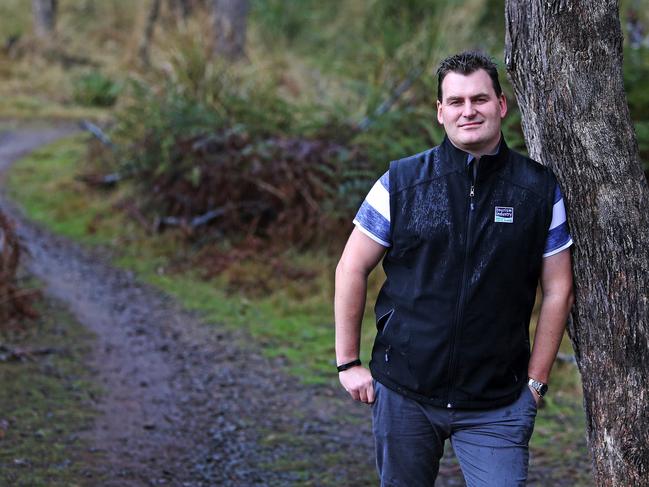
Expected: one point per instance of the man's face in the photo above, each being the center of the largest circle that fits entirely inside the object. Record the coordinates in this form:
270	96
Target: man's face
471	111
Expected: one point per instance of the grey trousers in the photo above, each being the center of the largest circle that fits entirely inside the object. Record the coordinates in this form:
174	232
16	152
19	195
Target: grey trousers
491	445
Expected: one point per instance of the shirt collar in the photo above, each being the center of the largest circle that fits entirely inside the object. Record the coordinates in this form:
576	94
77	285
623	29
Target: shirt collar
471	157
459	160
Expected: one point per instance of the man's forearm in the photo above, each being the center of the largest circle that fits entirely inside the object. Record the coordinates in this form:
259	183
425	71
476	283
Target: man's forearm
349	306
549	332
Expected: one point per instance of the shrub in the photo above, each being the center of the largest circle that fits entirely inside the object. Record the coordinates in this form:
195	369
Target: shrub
234	153
96	89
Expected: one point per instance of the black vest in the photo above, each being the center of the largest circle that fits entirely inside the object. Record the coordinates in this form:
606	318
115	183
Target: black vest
453	314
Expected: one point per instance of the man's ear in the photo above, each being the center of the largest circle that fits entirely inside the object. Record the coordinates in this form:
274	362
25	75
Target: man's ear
439	113
503	105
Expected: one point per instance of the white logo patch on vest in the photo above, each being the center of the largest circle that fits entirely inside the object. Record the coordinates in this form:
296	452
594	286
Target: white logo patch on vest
504	214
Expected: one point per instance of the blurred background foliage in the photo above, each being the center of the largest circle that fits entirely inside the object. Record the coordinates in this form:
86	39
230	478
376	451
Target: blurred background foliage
354	77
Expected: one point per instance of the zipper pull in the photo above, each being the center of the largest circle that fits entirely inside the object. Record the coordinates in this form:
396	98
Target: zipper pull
387	353
471	195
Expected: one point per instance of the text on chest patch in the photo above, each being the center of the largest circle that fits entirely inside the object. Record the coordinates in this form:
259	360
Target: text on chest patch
504	214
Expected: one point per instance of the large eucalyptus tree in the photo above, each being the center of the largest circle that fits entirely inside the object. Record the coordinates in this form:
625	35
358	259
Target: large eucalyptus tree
564	58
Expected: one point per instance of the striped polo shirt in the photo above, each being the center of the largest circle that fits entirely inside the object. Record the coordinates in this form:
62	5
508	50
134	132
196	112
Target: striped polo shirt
373	218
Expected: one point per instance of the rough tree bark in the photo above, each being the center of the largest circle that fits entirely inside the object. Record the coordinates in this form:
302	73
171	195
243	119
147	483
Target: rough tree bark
229	21
564	58
44	15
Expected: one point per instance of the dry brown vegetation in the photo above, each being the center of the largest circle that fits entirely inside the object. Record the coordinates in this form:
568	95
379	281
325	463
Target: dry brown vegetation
285	190
15	303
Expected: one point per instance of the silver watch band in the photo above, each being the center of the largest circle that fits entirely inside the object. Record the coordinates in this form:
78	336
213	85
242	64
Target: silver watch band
538	386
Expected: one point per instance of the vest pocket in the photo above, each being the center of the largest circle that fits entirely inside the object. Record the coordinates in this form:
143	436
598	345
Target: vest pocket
383	321
391	350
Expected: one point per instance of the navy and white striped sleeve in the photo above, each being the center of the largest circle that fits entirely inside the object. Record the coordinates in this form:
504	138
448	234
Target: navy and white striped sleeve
558	236
373	217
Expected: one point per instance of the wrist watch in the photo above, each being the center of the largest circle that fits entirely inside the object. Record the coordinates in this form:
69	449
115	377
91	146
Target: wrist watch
539	387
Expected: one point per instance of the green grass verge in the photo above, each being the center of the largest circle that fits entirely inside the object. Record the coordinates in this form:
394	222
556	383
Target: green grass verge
45	185
29	107
46	404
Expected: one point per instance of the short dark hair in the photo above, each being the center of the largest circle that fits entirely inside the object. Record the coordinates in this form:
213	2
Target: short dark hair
465	63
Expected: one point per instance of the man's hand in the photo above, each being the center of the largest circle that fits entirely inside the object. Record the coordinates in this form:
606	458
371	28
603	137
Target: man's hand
358	382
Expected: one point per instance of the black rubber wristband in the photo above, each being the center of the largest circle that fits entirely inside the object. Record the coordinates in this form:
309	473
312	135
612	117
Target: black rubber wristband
349	365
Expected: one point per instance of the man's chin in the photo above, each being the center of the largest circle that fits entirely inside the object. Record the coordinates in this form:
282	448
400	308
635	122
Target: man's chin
470	143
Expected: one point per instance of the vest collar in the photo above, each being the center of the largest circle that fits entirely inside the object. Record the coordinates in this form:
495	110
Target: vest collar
458	158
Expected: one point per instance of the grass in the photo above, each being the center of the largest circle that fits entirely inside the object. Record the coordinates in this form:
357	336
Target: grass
37	79
301	467
293	322
54	198
27	107
46	404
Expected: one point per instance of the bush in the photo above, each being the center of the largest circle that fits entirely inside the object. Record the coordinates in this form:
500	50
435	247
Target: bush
231	151
96	89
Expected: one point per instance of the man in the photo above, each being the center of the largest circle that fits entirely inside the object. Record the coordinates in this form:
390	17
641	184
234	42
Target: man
465	230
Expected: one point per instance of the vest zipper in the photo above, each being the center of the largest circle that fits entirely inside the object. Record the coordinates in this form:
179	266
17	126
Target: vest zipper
471	195
459	310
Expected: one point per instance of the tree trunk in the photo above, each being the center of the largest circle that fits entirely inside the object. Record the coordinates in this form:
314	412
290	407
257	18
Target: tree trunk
145	42
180	8
564	58
229	20
44	14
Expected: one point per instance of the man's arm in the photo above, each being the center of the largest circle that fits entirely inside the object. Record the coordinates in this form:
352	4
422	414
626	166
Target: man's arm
556	285
360	256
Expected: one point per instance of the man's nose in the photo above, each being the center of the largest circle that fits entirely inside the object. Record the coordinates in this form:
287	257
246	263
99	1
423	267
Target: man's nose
468	110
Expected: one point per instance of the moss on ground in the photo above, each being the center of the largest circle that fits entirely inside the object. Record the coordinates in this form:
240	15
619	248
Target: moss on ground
46	404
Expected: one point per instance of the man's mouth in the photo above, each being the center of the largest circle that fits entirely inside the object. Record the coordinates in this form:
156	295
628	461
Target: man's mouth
470	124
